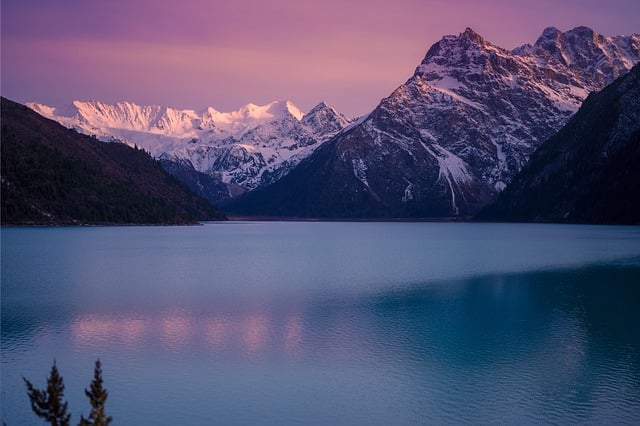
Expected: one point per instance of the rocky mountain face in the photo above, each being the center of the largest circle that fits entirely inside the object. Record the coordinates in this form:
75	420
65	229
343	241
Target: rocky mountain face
244	149
452	137
586	173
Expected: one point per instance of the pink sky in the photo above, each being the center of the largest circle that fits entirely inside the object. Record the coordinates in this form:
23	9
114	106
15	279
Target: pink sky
193	54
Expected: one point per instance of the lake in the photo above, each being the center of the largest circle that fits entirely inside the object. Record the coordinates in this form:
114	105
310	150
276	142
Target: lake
279	323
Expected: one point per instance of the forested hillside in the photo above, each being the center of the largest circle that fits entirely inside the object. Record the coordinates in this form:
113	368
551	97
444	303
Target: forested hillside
53	175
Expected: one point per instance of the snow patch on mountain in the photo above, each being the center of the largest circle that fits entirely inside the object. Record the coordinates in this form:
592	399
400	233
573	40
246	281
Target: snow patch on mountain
451	168
360	171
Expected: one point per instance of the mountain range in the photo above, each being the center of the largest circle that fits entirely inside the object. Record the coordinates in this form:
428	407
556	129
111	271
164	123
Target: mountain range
443	144
447	141
244	149
587	172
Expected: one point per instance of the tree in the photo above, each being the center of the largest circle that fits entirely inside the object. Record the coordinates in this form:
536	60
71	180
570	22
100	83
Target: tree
48	403
97	395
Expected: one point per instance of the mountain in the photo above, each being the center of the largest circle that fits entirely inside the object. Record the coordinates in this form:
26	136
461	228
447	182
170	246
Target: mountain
53	175
205	186
448	140
244	149
586	173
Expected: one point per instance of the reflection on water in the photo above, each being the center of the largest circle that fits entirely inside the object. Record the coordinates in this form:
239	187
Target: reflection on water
132	331
544	346
552	345
254	333
175	332
250	334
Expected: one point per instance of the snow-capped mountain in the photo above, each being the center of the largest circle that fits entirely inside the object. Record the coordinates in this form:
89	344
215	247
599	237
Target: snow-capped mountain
244	148
449	139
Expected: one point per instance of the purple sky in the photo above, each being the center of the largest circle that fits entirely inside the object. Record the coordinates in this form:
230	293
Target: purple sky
193	54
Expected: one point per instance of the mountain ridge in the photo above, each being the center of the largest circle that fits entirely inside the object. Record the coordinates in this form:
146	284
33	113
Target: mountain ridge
455	133
245	148
448	140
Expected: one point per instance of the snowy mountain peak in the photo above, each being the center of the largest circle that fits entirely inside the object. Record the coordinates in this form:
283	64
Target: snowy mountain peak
321	105
584	33
276	110
549	33
42	109
282	109
452	44
129	116
580	43
247	147
294	110
324	108
472	36
324	120
590	56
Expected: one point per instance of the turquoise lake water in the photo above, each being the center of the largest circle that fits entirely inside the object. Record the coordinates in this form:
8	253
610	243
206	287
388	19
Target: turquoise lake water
278	323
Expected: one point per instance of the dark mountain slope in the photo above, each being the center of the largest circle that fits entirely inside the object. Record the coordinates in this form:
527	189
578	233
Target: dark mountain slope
588	172
53	175
206	186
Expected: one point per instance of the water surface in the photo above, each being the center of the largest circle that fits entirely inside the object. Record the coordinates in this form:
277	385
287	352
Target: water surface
327	323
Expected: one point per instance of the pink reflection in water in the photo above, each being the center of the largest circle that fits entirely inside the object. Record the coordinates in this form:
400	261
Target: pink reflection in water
133	330
93	330
248	334
175	331
255	333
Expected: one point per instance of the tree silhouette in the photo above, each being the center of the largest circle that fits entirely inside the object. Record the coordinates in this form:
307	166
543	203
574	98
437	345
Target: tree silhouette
97	395
48	403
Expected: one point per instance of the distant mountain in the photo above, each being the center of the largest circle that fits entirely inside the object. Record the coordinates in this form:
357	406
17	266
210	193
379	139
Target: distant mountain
53	175
448	140
588	172
207	187
245	149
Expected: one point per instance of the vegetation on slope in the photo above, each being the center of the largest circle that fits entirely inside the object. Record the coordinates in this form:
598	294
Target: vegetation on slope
53	175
